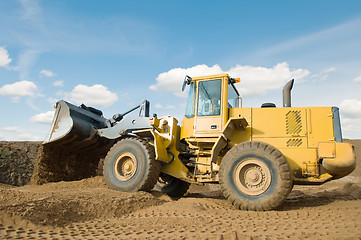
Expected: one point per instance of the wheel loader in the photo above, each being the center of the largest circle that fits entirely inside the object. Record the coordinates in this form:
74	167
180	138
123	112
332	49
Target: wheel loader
255	154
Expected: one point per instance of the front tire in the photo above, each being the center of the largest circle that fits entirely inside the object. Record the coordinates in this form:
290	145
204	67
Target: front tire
255	176
130	166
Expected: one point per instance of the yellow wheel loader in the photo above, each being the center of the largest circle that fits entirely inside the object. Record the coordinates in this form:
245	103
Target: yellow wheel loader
255	154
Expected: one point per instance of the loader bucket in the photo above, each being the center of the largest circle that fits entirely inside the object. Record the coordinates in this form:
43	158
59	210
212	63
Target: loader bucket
75	127
72	149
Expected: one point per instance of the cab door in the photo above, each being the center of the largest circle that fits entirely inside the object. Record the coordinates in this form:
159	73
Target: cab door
208	120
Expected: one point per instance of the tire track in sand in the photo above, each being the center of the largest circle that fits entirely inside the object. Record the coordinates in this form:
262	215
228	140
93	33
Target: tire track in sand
330	214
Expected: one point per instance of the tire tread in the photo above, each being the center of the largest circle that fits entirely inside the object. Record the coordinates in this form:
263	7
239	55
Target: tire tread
269	203
154	167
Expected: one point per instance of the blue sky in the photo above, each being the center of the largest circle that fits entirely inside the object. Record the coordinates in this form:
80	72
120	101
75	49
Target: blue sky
113	54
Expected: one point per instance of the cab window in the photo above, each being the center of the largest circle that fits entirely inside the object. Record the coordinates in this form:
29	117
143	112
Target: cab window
209	98
190	102
232	96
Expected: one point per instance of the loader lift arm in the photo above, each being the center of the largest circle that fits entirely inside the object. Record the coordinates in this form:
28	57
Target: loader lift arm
144	111
120	126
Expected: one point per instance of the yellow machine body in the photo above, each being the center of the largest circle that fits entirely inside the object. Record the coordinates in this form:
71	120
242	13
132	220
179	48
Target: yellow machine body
309	137
255	154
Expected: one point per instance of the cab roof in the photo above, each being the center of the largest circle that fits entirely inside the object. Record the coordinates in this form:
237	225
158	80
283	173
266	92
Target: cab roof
222	75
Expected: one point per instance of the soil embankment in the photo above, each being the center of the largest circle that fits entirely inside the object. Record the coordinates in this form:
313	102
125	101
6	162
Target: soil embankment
17	161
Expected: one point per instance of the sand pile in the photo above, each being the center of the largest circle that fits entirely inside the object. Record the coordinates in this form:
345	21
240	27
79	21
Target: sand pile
63	203
64	164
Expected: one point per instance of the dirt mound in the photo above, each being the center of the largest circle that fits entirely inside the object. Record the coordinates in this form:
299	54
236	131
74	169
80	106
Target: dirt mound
17	162
64	164
60	204
87	209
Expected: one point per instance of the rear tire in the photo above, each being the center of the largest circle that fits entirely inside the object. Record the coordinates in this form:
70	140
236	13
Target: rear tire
130	166
255	176
173	187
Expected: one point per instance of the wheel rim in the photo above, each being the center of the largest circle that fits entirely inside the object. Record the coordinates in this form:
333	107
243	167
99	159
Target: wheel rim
252	177
125	166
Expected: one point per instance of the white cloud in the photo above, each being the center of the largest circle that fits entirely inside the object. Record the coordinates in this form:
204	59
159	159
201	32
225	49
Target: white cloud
351	108
331	69
14	133
32	10
342	38
45	118
357	79
160	106
5	60
58	83
96	95
182	105
28	137
254	80
18	90
47	73
13	129
27	59
52	100
61	93
322	76
173	79
260	80
350	126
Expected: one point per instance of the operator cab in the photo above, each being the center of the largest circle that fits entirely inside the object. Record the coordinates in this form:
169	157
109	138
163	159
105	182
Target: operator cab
207	107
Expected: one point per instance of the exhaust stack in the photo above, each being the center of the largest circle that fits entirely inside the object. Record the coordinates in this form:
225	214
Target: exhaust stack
287	93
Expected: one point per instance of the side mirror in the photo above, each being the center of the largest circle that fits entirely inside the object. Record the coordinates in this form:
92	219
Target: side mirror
187	81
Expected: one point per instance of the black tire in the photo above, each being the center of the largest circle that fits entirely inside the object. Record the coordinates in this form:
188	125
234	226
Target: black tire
130	166
255	176
173	187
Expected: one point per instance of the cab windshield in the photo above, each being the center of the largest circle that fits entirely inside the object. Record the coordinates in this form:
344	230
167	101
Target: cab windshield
209	98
